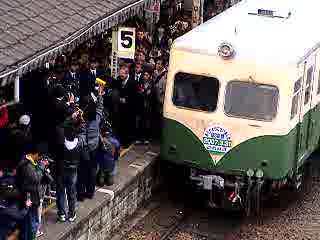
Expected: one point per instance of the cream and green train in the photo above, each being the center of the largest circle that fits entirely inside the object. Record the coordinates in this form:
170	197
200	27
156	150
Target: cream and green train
242	104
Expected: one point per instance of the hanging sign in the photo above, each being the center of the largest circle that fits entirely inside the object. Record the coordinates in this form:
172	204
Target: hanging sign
126	42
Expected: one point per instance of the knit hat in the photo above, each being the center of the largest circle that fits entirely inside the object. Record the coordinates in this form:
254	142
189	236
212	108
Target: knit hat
24	120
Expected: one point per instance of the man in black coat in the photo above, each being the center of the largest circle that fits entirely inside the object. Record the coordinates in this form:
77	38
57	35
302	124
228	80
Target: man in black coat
87	81
31	175
71	78
124	120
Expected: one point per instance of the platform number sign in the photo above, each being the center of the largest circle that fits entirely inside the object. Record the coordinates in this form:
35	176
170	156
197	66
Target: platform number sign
126	42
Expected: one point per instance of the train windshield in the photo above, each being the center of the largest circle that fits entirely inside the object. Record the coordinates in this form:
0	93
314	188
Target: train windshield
251	100
195	92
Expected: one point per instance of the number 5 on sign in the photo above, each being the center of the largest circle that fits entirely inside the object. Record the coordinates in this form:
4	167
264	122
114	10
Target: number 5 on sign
126	42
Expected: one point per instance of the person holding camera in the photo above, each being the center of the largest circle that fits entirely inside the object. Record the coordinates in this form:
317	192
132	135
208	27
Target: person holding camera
92	116
31	175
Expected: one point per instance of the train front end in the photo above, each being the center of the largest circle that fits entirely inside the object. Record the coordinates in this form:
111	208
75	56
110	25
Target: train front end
228	122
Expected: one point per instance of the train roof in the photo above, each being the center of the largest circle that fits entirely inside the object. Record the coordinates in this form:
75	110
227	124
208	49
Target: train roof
285	38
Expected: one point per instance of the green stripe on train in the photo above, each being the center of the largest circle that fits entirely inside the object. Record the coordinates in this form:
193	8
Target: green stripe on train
180	145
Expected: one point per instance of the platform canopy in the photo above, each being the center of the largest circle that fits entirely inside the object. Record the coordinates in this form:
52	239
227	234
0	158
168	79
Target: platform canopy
34	31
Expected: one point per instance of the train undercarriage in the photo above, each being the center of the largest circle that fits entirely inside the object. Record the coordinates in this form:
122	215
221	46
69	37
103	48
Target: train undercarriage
240	192
245	193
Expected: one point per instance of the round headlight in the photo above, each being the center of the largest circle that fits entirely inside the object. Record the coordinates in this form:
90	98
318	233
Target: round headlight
250	172
226	50
259	173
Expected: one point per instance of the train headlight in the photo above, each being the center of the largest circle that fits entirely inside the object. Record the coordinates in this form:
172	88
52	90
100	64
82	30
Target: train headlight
259	173
250	172
226	50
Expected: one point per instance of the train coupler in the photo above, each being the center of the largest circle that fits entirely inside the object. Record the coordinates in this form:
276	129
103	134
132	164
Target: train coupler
207	182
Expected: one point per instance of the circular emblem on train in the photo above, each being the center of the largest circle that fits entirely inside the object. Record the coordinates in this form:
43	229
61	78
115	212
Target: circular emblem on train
226	50
217	139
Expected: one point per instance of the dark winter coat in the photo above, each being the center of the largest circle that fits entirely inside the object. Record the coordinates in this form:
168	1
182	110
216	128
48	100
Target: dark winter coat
144	97
56	147
86	83
128	92
91	132
10	216
71	83
21	139
73	149
93	127
29	179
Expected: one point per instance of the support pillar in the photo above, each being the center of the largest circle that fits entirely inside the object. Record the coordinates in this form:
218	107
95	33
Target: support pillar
197	12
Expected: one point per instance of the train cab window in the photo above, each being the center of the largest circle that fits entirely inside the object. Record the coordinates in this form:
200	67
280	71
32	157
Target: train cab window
296	98
195	92
251	100
309	81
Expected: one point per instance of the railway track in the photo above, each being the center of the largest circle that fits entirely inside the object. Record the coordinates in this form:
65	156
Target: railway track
179	214
173	222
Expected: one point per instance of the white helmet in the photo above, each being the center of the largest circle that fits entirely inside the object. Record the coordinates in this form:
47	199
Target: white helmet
24	120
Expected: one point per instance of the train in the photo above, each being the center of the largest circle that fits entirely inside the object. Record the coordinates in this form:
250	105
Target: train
242	103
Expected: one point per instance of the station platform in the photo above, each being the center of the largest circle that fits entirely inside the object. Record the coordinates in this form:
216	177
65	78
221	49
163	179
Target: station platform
138	174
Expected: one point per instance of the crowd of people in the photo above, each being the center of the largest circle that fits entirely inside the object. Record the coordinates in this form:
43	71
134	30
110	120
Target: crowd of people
71	132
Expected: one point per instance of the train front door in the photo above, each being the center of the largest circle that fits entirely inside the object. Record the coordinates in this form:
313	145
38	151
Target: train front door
306	121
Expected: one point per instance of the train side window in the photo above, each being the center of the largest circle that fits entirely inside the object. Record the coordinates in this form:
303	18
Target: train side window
251	100
195	92
309	81
296	97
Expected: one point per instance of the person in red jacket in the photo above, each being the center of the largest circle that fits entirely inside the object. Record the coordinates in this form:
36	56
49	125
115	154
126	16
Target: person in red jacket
4	117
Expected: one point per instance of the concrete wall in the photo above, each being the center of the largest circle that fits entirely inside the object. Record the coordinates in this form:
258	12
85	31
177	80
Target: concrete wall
108	217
